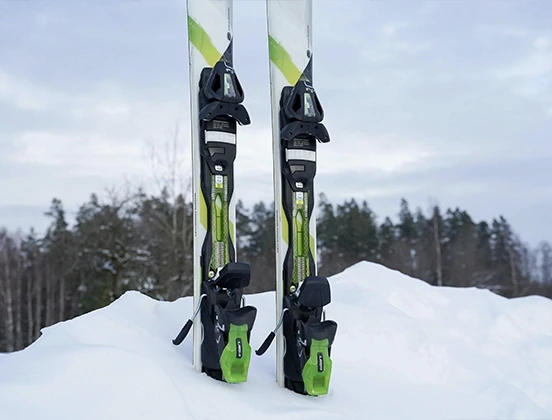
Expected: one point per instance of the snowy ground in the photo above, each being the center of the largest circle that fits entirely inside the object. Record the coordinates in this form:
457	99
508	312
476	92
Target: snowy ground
404	350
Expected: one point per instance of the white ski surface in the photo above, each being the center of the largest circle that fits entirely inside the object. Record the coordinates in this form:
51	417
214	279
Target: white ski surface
208	15
405	350
289	24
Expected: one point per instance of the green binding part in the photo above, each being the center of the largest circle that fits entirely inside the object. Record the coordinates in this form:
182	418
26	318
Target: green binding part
318	369
220	224
301	251
235	357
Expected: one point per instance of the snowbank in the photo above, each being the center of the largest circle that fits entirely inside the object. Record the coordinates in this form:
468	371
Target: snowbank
404	350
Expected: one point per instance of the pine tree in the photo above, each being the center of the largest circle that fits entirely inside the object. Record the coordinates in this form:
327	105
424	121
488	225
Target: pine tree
407	235
327	237
60	258
258	248
387	240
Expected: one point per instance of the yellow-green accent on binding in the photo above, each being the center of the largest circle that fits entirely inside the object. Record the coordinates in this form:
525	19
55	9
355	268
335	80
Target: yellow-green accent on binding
235	358
318	368
281	58
202	210
300	223
219	234
202	41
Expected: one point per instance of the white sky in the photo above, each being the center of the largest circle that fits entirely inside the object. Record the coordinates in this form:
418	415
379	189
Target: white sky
433	101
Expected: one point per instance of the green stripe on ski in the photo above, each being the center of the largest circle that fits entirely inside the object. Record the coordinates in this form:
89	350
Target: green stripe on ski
285	225
202	41
281	58
203	210
312	243
232	231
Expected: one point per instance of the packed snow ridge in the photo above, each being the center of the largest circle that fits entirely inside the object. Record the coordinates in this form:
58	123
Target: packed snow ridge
404	350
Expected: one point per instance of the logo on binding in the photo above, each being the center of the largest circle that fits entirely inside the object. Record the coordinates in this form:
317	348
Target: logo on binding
239	348
320	361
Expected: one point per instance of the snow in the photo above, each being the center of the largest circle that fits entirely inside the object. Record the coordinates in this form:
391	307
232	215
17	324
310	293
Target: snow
404	350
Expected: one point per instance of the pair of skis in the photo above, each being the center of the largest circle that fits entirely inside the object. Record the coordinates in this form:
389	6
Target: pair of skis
222	323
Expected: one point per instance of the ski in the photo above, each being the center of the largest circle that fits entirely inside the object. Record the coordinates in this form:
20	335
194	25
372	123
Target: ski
221	322
303	337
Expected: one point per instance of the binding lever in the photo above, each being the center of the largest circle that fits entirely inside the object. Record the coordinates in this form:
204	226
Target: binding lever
268	340
186	328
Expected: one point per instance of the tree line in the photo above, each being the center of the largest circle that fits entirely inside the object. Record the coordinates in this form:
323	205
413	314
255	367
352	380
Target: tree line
144	242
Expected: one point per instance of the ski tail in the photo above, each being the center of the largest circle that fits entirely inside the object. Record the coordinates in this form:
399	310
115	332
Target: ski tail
222	324
303	345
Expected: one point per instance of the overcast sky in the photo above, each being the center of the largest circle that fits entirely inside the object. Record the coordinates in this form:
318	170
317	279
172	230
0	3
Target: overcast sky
434	101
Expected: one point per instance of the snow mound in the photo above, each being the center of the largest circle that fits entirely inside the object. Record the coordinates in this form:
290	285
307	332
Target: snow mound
404	350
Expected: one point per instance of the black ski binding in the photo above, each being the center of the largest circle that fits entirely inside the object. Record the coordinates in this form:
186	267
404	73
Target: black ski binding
301	114
226	323
308	338
225	350
221	95
307	363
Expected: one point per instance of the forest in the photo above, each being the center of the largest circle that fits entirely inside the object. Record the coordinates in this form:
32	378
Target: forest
136	241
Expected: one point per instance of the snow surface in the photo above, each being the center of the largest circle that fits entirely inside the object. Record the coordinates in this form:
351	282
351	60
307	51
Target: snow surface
404	350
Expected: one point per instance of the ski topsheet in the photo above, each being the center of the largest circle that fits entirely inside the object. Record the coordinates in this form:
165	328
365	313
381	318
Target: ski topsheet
221	324
303	344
